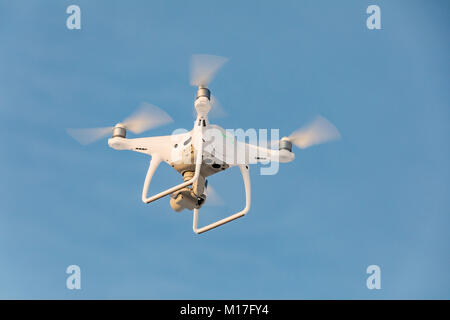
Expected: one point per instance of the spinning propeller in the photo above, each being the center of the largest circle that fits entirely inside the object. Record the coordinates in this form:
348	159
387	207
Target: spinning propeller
204	68
145	118
212	196
320	130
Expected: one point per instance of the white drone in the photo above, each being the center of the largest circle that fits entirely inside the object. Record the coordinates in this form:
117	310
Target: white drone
194	154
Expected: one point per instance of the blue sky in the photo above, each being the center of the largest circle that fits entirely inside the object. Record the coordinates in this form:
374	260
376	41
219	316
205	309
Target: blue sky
378	196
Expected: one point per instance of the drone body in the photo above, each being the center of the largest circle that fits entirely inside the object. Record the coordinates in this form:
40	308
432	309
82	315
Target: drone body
204	151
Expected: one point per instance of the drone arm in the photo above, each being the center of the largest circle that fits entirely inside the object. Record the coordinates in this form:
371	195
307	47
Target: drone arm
246	177
252	154
154	163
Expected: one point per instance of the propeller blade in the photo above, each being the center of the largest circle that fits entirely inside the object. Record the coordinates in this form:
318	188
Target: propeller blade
86	136
212	197
204	67
216	108
318	131
146	117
